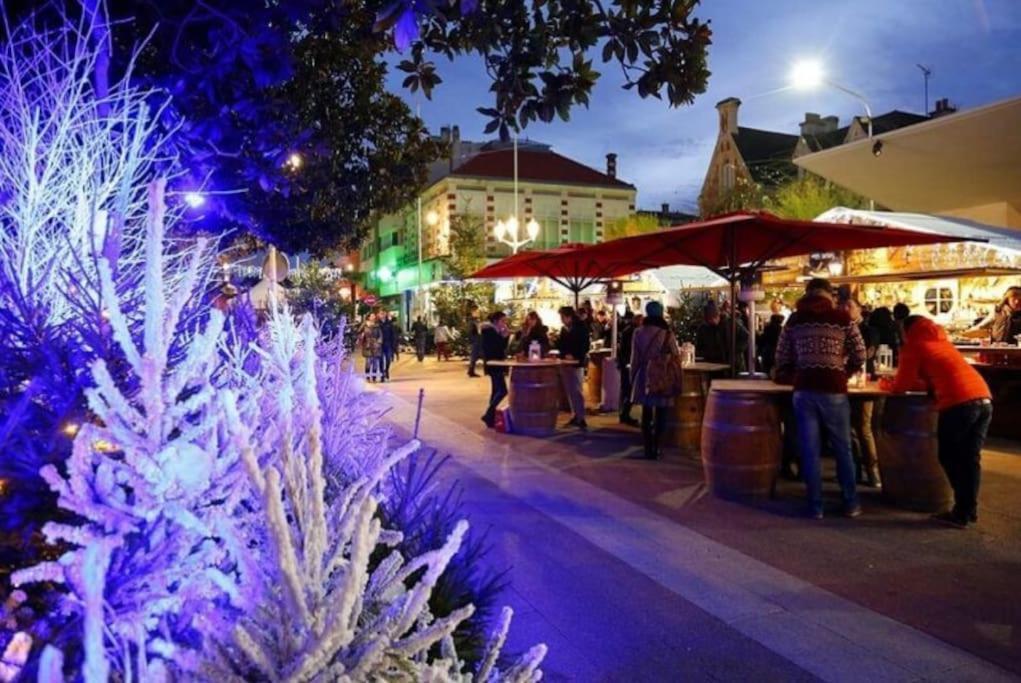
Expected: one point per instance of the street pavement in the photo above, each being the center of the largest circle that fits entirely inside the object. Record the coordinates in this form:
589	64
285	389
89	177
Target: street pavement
630	571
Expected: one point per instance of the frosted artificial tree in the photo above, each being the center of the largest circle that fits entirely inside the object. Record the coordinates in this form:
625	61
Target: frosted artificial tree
73	171
208	486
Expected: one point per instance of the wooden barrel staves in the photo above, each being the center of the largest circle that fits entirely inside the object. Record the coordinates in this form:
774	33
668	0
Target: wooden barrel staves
593	388
908	455
741	444
534	399
684	422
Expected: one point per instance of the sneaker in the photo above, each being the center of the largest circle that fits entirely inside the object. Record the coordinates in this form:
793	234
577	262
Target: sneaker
630	421
489	421
852	511
814	514
583	426
952	518
973	517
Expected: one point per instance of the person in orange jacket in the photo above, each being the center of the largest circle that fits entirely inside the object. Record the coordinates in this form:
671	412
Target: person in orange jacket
929	362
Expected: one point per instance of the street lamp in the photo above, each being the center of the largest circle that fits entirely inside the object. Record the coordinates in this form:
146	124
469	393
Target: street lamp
508	232
810	75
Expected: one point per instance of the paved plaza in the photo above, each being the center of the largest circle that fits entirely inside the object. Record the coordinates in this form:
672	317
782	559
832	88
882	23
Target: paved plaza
630	571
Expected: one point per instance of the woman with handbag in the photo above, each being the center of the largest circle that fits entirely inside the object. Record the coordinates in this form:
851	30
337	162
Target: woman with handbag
655	375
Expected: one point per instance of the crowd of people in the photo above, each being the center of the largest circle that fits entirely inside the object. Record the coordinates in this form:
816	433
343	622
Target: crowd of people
827	339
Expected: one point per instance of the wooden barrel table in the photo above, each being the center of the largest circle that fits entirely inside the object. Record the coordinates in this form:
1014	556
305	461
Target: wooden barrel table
741	443
684	421
593	388
908	455
534	397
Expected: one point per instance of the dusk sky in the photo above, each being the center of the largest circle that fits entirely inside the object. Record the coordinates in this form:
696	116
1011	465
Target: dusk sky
972	46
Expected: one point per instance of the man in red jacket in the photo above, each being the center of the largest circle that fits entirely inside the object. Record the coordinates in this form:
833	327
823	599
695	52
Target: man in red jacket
819	347
929	362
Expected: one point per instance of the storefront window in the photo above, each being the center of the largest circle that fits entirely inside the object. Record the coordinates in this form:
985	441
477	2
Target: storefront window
939	300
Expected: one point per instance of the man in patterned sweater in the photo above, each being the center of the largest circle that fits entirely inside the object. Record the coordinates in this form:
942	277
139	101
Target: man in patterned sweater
819	348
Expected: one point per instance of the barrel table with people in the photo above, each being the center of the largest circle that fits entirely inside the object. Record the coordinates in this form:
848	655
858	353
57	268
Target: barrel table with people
684	422
742	443
534	394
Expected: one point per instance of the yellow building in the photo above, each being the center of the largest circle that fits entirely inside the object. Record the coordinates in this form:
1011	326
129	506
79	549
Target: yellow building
571	202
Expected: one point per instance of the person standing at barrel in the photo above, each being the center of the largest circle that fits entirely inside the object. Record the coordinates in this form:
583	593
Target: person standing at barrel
863	440
652	339
493	338
819	348
573	345
624	346
929	362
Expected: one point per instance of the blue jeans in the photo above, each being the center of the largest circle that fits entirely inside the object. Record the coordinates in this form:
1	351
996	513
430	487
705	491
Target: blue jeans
816	412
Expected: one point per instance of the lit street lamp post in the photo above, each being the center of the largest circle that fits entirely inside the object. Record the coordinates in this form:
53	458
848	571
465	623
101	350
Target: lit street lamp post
508	232
809	75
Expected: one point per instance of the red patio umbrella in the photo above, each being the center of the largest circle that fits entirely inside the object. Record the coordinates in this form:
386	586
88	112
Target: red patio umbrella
569	265
740	243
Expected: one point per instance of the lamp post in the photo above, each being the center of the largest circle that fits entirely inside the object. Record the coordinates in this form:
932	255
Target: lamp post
508	232
809	75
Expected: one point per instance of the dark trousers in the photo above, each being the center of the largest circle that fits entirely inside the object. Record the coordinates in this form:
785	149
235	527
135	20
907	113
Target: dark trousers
476	355
625	394
962	433
653	425
497	393
388	358
420	348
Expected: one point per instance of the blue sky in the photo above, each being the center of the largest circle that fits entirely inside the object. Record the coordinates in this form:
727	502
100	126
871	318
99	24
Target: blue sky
972	46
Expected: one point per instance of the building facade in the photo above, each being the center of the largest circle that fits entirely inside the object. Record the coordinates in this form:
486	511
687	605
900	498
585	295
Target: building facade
749	156
571	202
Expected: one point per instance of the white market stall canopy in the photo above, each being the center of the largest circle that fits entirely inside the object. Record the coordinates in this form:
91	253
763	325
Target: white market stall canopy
1006	239
950	163
674	278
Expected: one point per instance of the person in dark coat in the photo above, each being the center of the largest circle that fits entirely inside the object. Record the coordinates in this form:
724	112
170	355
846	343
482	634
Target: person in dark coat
653	338
389	334
886	328
419	331
768	340
533	331
493	338
712	338
627	333
573	345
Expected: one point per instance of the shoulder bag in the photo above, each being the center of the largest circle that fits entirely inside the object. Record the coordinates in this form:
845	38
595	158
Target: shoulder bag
663	372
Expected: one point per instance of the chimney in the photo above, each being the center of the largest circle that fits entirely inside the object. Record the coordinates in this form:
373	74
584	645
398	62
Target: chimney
455	147
815	124
611	165
728	114
445	133
943	107
665	209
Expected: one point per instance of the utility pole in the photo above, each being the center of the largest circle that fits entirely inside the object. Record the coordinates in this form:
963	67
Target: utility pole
926	72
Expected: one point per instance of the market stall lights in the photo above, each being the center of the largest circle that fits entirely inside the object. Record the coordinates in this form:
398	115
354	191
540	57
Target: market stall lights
432	218
807	74
194	199
384	273
877	148
294	160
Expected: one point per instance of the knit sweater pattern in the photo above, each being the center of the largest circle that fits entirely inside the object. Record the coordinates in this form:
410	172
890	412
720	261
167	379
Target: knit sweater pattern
819	347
